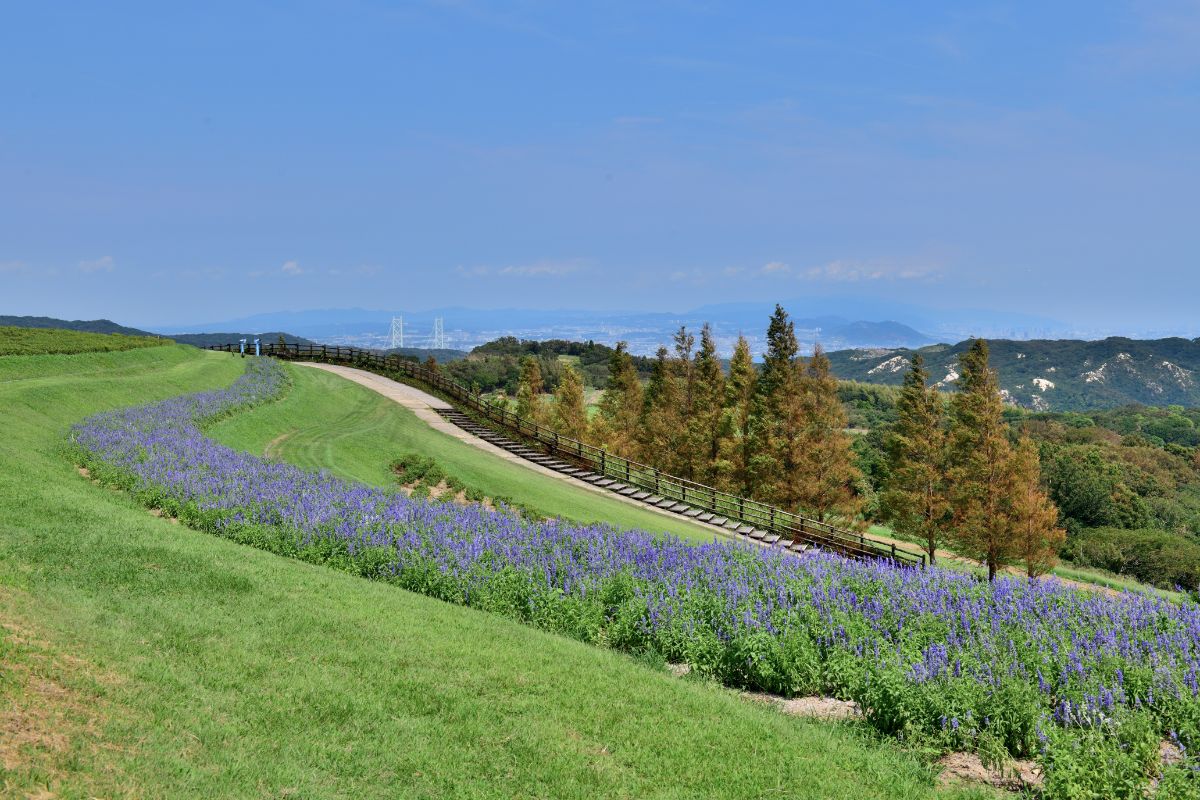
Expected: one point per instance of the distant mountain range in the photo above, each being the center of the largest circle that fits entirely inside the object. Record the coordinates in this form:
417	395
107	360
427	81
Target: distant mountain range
643	331
1054	375
1039	374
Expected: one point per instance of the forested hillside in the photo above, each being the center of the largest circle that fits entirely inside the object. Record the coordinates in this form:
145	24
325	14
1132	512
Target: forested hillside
1126	481
1055	375
84	325
496	366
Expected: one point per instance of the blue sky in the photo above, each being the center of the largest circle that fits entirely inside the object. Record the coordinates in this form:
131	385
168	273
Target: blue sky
162	163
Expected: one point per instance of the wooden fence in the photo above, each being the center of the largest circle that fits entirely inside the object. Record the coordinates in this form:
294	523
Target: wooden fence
788	526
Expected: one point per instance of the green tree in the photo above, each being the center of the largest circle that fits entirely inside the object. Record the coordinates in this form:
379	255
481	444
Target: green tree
706	425
777	417
529	391
738	450
778	370
914	498
660	429
684	459
1091	491
824	477
981	474
616	423
570	412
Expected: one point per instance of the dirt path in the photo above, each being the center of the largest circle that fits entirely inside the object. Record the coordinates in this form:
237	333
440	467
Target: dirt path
424	405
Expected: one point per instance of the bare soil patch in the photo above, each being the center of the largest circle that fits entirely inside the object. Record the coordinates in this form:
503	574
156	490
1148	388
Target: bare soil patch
53	714
272	448
969	768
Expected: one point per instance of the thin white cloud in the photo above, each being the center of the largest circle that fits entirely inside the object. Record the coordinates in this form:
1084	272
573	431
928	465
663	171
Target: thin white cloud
13	266
775	268
291	267
102	264
542	268
535	270
844	271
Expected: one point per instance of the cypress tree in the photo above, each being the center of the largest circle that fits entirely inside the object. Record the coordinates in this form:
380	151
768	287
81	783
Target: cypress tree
659	428
1034	516
981	474
616	424
570	412
684	459
780	358
914	496
823	479
738	445
705	424
529	391
777	418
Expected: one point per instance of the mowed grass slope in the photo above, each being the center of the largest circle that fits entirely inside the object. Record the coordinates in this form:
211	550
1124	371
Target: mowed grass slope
141	659
329	422
35	341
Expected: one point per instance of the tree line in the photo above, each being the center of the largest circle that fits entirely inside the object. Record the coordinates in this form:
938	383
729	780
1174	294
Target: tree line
777	432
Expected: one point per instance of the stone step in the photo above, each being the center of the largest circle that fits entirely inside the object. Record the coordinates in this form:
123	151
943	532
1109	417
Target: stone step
757	533
718	521
605	482
771	538
641	496
629	491
706	517
744	529
693	512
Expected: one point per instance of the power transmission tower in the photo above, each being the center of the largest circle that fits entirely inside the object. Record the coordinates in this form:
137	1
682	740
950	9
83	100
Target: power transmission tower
439	335
397	332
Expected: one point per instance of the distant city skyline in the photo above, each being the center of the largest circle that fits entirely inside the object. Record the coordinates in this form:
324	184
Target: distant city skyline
171	164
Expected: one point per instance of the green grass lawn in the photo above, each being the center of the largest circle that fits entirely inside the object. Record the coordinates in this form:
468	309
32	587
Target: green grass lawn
332	423
37	341
141	659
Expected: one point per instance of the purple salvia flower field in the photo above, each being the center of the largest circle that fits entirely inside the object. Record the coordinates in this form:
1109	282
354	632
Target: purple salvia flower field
1028	668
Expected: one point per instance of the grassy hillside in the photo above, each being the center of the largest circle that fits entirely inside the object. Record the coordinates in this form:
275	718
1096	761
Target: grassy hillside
331	423
1047	375
85	325
35	341
144	659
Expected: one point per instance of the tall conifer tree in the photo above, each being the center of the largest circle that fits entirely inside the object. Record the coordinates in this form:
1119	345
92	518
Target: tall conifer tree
570	412
739	399
777	417
706	423
660	429
981	472
824	477
684	460
1034	516
529	391
616	424
914	496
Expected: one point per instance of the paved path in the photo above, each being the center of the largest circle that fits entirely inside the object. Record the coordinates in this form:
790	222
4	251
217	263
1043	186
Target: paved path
424	405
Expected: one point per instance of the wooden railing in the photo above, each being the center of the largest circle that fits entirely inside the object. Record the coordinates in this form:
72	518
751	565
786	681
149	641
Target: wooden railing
788	526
